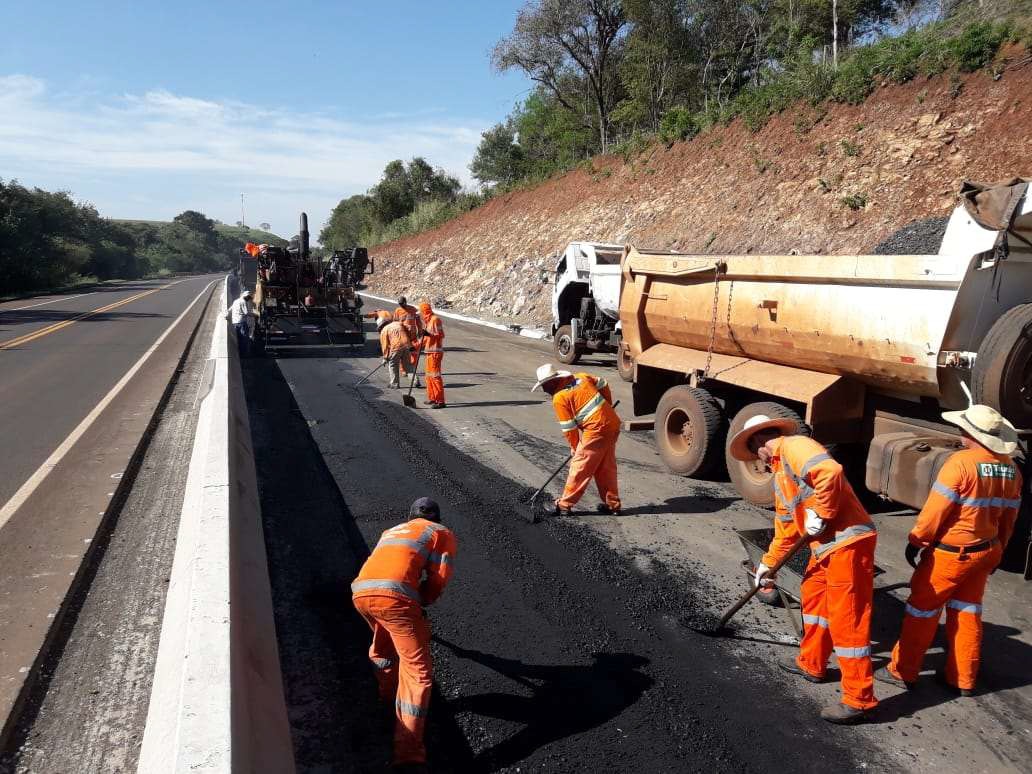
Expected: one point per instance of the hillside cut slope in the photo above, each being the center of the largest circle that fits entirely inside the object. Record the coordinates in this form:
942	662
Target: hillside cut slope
837	183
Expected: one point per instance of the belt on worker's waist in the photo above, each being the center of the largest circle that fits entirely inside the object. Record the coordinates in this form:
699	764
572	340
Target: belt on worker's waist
985	545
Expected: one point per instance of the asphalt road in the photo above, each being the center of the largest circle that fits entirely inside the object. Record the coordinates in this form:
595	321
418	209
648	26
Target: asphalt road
567	646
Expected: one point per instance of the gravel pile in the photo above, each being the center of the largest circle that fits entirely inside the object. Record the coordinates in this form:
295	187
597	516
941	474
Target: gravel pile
920	237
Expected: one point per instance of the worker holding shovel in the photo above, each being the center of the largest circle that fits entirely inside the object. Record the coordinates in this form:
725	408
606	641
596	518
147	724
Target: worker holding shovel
584	407
813	497
395	346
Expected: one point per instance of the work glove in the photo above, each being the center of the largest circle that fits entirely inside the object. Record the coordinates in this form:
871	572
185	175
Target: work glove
814	524
763	577
912	553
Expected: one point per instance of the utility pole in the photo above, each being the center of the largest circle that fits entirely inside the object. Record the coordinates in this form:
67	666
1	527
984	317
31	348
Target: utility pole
243	222
834	34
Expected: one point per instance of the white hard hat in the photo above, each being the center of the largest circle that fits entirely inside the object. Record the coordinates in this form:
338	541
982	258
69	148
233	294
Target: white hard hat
547	373
740	443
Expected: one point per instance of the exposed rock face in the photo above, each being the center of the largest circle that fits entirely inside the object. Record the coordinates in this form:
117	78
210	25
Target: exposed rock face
841	185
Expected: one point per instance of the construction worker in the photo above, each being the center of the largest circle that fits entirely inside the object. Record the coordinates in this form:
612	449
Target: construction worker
433	347
409	317
379	314
395	346
813	497
242	316
584	407
406	571
960	535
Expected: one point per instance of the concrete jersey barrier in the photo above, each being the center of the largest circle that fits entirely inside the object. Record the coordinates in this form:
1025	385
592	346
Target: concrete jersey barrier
217	701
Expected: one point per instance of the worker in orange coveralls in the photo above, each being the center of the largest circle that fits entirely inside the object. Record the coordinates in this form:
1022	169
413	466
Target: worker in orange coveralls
395	345
379	314
960	534
813	497
408	316
433	347
584	407
406	571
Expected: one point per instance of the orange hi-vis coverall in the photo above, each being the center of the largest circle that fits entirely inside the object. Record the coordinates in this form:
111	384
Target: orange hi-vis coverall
433	347
584	408
838	585
395	346
408	568
379	314
964	527
408	316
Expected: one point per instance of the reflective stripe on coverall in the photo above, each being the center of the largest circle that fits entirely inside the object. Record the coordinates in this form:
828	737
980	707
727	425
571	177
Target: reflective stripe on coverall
434	350
838	585
975	499
389	593
395	346
584	408
408	316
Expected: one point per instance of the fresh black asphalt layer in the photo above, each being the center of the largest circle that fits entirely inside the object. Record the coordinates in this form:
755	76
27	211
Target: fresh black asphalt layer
552	652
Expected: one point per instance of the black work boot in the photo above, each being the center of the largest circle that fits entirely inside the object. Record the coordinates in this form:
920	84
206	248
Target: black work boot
843	715
883	675
603	508
940	677
558	510
790	665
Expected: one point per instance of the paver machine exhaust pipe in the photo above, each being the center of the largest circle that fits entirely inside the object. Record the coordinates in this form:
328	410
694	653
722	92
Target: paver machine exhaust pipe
530	505
721	629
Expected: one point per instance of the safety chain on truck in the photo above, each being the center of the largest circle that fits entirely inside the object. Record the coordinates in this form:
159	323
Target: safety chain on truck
713	317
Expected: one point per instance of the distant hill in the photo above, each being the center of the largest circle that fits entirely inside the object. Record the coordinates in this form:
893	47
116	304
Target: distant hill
243	234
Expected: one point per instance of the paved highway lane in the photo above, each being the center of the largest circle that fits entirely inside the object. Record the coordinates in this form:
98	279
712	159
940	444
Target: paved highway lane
60	356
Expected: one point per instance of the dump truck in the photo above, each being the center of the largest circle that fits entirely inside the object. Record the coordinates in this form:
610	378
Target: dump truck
586	302
303	300
866	350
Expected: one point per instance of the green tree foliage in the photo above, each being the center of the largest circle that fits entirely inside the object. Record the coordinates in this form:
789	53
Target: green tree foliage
350	220
499	159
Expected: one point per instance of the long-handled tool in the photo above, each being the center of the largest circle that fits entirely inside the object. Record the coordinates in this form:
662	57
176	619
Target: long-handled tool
531	506
366	377
721	630
408	400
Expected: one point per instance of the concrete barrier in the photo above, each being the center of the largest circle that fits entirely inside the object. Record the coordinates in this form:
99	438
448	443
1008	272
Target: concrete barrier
217	701
527	333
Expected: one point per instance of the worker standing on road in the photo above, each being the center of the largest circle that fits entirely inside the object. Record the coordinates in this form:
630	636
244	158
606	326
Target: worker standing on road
960	534
813	497
242	316
395	345
433	347
407	571
408	316
584	407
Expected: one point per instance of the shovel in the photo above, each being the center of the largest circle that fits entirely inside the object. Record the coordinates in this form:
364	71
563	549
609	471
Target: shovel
721	630
365	378
531	507
407	399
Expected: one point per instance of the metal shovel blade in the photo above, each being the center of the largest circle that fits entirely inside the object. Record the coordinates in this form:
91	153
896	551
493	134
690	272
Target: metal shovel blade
409	401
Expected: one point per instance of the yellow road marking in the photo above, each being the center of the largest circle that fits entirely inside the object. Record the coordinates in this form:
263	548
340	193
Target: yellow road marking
17	342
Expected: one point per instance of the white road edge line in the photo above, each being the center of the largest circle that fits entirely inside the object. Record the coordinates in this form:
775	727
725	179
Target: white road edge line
53	301
37	478
527	333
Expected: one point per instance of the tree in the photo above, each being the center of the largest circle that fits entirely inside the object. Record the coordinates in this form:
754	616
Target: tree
265	226
403	187
499	158
556	39
350	219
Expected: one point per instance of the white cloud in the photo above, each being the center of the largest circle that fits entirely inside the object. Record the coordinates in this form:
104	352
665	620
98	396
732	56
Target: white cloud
154	154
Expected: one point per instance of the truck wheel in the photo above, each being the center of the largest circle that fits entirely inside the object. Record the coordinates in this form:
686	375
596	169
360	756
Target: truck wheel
690	426
625	363
566	350
1002	376
753	482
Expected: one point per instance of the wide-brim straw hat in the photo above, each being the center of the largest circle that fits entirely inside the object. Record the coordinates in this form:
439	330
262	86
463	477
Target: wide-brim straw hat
987	426
547	373
740	443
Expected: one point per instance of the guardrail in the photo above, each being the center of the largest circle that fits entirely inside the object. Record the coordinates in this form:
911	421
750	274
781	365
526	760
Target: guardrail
217	700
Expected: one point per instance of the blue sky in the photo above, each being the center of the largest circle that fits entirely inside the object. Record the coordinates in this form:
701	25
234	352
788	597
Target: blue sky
146	109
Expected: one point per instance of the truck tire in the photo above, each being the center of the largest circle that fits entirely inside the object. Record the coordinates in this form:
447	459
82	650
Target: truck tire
625	363
1002	376
752	481
690	428
566	350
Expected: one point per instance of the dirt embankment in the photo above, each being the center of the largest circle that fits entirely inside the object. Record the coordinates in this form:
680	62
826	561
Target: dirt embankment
835	183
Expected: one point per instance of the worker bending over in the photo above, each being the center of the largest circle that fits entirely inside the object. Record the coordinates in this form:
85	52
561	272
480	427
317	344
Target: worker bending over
960	535
433	348
379	314
408	316
407	570
813	497
395	346
242	316
584	407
